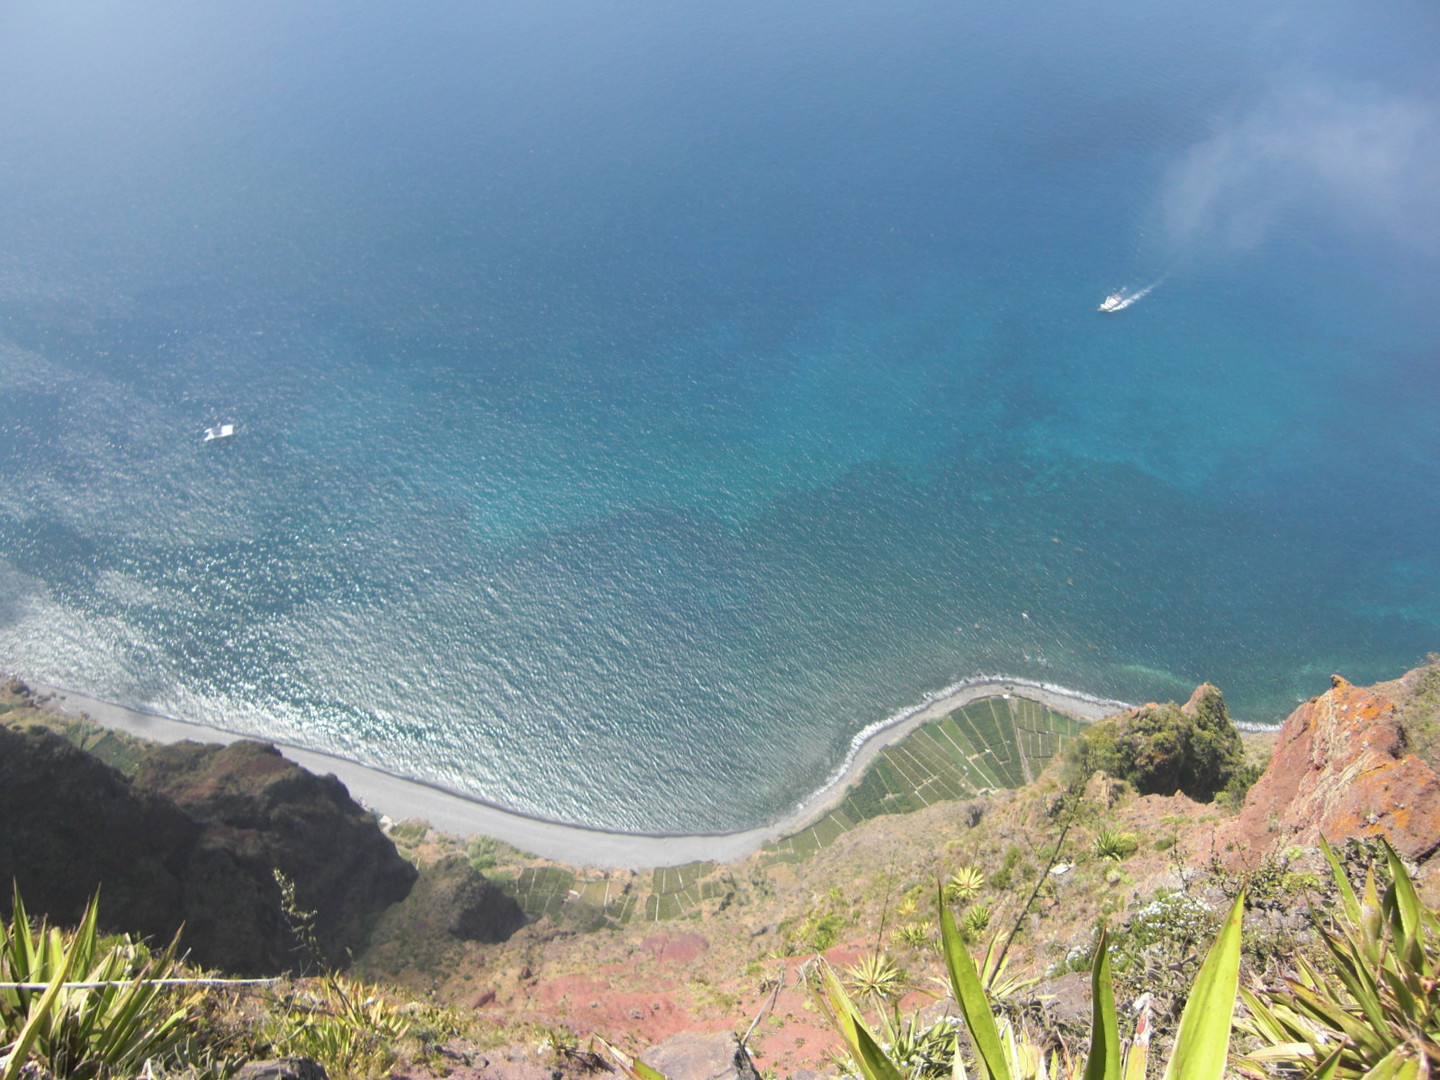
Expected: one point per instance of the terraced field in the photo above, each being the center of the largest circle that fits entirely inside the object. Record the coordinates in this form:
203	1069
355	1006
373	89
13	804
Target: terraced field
997	742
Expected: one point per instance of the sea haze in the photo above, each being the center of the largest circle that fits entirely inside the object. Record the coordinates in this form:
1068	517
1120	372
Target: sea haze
637	398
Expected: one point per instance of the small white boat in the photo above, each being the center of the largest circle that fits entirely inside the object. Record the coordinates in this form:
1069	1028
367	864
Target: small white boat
1119	301
219	431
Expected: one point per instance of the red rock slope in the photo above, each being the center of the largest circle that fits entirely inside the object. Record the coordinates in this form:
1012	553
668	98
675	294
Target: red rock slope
1341	768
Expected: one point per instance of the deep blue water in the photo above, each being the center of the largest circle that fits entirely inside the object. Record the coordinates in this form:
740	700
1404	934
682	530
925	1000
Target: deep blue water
636	398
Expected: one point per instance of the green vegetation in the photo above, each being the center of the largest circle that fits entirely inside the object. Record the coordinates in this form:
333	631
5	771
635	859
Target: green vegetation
110	1029
86	1007
408	833
20	710
1003	1050
591	901
876	976
996	742
964	884
1115	845
1371	1007
1162	749
976	922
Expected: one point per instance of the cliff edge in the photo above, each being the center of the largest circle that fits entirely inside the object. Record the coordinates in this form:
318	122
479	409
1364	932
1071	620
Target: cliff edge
194	840
1343	766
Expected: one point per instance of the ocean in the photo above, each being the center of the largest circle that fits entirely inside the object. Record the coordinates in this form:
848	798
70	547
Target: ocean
636	399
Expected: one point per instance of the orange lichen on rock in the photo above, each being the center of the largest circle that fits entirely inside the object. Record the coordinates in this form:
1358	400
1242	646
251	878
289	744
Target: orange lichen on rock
1341	768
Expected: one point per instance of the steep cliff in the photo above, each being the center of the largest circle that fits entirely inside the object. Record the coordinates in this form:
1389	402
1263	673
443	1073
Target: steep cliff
194	840
1342	767
261	812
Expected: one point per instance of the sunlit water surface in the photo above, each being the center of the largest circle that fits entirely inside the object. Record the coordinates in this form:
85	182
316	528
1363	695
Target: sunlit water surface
637	399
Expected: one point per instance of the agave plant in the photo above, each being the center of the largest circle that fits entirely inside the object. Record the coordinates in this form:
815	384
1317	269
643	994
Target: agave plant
104	1010
963	884
917	935
1115	845
346	1025
977	921
1003	1053
1374	1009
876	976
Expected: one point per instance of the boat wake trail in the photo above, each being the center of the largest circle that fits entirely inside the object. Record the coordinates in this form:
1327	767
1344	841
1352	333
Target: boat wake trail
1119	301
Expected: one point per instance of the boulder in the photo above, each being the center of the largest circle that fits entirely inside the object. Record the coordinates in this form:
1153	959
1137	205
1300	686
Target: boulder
291	1068
470	906
694	1055
451	902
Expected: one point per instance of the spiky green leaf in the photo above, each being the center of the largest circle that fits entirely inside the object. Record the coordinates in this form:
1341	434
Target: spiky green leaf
970	996
1202	1042
1104	1060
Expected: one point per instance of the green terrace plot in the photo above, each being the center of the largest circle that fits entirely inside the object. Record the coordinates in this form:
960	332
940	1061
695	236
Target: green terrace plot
995	742
677	891
992	743
116	749
587	902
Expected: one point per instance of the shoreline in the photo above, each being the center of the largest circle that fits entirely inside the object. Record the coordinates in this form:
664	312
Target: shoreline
402	797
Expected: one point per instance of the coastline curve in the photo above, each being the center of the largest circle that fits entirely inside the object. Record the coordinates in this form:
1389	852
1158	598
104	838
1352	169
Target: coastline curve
577	845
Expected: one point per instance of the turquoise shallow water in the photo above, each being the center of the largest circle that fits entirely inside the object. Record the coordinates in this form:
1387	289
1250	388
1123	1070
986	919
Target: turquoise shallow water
637	400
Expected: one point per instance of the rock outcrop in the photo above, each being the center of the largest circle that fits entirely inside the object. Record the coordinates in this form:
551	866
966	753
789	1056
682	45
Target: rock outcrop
1341	768
194	840
68	822
262	813
695	1055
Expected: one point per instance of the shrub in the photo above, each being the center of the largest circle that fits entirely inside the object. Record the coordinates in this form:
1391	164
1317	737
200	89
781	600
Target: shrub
1115	845
1232	796
1154	948
410	832
1162	749
825	931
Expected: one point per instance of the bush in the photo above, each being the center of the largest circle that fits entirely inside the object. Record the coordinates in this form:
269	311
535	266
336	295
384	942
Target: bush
1162	749
1232	795
825	931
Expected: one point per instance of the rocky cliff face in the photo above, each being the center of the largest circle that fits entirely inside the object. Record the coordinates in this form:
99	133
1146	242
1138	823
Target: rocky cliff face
1342	767
69	822
261	812
194	840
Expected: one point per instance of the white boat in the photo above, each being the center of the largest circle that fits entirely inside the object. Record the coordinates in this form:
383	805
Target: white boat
219	431
1119	301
